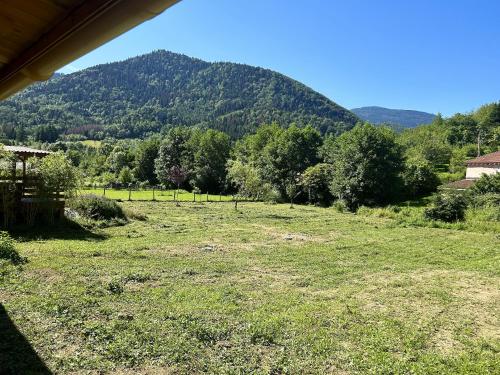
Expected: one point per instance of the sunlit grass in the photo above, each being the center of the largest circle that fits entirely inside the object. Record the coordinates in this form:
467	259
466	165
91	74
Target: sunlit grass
203	288
159	195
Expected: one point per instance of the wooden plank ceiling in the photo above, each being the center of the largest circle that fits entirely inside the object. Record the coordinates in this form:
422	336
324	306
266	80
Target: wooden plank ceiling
37	37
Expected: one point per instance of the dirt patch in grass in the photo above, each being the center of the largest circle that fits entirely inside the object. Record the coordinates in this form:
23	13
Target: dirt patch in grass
45	275
443	301
283	235
445	343
271	278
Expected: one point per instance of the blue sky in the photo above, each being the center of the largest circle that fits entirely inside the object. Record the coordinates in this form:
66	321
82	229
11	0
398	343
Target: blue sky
431	55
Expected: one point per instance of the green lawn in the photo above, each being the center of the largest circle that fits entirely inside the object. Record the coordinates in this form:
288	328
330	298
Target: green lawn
159	195
269	289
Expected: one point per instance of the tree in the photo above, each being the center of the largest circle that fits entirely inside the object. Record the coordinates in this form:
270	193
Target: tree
428	142
146	155
247	180
367	164
419	178
177	176
119	158
211	153
487	118
174	152
46	133
56	173
125	177
315	184
292	189
20	134
288	154
463	129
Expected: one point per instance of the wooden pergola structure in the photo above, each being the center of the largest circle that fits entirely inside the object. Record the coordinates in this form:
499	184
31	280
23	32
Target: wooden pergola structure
23	153
21	193
37	37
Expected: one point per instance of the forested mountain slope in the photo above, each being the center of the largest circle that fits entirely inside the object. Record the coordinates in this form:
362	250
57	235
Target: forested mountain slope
148	93
402	117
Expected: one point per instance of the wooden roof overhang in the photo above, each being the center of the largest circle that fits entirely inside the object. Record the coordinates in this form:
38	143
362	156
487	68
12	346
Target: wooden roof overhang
24	153
37	37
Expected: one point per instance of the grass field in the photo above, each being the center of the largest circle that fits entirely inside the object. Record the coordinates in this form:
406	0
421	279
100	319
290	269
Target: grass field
202	288
159	195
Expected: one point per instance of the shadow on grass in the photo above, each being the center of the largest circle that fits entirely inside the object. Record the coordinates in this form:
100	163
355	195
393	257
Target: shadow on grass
65	229
276	217
17	356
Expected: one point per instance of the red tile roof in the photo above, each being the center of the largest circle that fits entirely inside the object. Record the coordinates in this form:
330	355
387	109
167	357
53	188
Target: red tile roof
488	159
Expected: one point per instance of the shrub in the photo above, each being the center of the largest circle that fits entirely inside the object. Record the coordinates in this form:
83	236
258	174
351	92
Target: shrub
115	287
486	200
135	215
340	206
487	184
56	173
448	207
96	208
8	250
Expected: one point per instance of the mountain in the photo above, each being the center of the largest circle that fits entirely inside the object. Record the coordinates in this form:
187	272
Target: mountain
149	93
399	117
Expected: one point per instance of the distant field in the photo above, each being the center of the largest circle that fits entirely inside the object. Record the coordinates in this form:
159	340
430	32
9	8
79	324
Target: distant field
202	288
147	195
91	143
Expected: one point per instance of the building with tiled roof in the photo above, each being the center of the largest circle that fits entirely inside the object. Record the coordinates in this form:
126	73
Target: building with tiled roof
487	164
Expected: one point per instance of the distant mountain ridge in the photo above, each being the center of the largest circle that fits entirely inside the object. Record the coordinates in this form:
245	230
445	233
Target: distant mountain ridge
149	93
399	117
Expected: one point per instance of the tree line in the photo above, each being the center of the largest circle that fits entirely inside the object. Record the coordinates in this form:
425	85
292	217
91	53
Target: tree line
368	165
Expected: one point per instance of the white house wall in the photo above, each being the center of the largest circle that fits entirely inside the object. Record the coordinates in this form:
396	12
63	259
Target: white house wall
477	172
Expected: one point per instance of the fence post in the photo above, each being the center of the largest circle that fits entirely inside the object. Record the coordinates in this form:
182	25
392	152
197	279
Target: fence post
194	197
129	192
154	193
104	192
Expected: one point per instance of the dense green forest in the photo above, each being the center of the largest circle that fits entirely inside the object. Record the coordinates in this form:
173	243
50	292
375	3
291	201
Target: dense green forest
151	93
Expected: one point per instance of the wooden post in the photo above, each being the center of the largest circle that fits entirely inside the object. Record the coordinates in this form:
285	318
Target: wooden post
104	192
129	192
194	196
207	196
154	193
24	177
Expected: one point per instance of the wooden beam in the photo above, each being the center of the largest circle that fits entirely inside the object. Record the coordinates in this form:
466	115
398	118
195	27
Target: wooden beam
73	21
84	28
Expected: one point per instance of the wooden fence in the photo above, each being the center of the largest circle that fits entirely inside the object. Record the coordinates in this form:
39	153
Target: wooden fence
23	200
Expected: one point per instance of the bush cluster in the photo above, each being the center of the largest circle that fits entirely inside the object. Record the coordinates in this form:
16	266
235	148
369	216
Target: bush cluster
8	250
96	208
448	207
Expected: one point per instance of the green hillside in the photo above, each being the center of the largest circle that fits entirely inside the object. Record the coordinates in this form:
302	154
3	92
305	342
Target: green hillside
400	117
152	92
